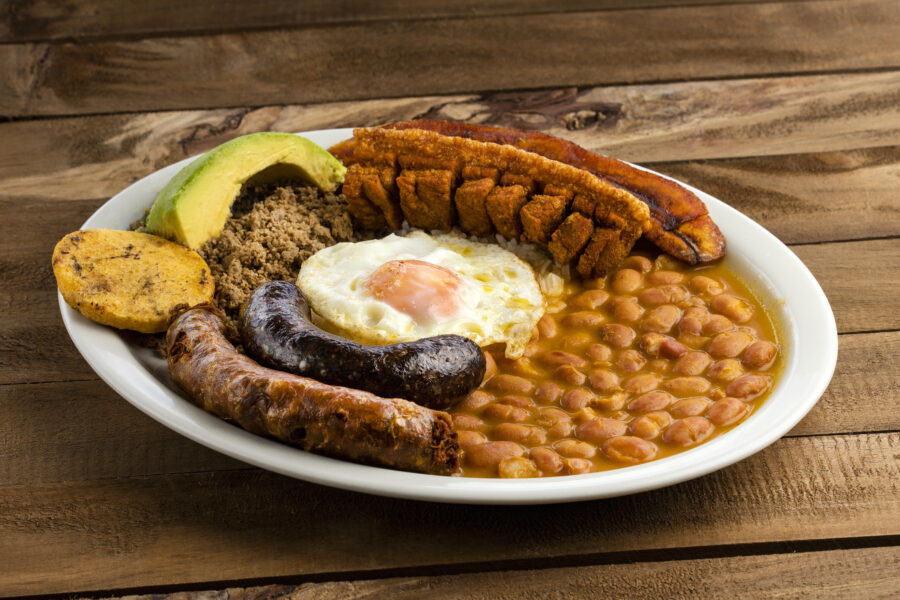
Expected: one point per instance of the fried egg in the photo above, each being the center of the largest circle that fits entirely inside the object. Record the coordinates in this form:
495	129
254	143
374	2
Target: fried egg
398	289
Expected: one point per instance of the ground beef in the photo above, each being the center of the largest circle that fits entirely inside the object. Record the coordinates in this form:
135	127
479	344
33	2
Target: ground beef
273	229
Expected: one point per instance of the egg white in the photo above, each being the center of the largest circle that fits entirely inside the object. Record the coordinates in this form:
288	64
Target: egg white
501	298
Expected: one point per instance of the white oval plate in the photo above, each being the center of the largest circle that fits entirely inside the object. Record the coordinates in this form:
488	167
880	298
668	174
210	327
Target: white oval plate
783	283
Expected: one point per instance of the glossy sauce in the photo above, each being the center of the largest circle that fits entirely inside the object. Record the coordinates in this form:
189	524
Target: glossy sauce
651	360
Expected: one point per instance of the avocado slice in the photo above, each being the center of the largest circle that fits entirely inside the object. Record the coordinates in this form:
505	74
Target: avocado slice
193	207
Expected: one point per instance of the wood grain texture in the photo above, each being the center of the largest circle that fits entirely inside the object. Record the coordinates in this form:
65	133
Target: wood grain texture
428	56
34	20
861	280
869	573
807	197
51	432
97	156
132	532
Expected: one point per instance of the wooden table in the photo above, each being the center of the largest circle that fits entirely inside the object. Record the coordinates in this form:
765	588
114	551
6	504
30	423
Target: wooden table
789	111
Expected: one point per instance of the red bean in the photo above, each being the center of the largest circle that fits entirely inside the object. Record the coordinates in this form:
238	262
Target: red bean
490	367
576	399
583	319
687	386
475	401
548	392
520	401
616	335
577	466
691	325
467	439
729	344
650	425
528	435
464	421
611	402
747	386
547	460
672	348
664	277
507	413
651	401
626	281
638	263
688	431
569	374
575	340
706	285
557	423
726	411
650	343
599	430
629	449
589	300
759	354
724	370
510	384
555	358
575	449
547	327
692	363
661	319
603	380
627	310
490	454
641	384
689	407
734	308
717	324
631	361
517	467
599	353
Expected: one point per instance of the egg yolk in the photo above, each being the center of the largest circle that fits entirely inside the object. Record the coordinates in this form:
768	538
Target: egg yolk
428	293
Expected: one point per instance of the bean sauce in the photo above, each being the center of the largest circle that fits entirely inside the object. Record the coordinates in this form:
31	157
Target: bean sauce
651	360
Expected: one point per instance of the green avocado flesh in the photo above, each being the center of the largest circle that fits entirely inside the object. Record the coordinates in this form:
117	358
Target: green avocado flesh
193	207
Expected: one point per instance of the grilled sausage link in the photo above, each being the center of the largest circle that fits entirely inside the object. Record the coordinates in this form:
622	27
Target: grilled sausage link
302	412
276	330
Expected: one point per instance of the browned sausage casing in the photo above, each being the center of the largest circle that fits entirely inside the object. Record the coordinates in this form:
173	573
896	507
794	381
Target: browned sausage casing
302	412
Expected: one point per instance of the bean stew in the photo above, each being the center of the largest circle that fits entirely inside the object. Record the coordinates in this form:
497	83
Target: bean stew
651	360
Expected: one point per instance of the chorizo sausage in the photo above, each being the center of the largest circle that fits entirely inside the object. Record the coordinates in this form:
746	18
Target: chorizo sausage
302	412
276	330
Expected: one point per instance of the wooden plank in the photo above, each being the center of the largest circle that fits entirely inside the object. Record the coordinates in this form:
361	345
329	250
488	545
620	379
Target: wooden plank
377	59
82	430
807	197
865	573
37	20
93	535
858	278
97	156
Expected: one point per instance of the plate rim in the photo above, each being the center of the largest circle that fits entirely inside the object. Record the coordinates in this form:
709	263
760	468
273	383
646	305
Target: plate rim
179	414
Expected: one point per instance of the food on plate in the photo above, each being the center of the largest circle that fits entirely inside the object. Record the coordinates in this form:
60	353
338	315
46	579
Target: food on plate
428	179
434	371
302	412
128	280
193	207
681	225
651	360
412	287
273	228
488	271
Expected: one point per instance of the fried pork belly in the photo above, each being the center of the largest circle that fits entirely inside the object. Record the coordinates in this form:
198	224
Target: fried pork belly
483	188
680	224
